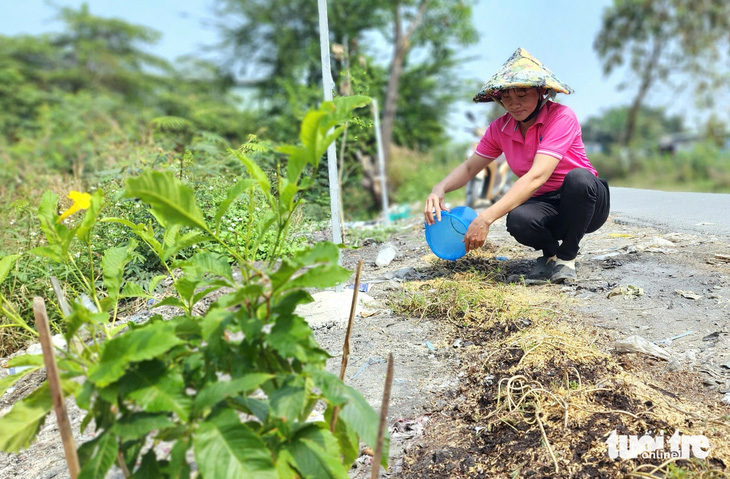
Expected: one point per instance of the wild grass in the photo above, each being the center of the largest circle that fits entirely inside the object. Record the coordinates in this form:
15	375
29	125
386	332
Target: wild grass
551	376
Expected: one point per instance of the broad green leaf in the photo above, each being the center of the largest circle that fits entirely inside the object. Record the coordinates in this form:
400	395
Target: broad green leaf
256	173
178	467
170	301
215	392
320	148
20	425
83	229
154	282
6	263
316	453
146	342
364	420
137	425
53	253
323	252
256	407
291	336
149	468
287	196
310	127
133	290
233	192
200	294
343	107
287	304
159	390
322	276
214	323
287	401
226	448
8	381
240	296
80	316
168	197
347	438
185	241
285	465
330	385
206	263
145	232
186	286
171	231
26	360
57	235
102	457
112	265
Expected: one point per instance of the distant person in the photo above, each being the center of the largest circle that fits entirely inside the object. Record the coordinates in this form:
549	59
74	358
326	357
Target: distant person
558	197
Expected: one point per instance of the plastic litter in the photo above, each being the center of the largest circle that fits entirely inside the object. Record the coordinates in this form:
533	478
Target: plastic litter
88	304
628	291
364	287
430	346
668	341
502	258
17	369
399	212
688	294
637	344
371	361
386	255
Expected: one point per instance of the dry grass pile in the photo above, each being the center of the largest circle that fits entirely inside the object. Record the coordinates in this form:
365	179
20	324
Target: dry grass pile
541	396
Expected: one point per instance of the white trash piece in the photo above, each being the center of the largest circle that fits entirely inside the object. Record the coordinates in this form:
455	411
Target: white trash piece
637	344
386	255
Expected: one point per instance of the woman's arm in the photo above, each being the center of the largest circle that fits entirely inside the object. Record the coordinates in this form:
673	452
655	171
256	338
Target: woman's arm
458	177
542	167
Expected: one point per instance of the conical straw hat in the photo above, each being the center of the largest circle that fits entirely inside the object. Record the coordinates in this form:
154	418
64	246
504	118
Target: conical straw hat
522	70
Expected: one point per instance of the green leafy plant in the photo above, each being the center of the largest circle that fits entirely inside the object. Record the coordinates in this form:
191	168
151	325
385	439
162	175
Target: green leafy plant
236	383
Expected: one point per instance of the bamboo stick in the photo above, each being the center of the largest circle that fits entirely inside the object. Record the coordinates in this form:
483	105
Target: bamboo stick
383	419
346	345
54	381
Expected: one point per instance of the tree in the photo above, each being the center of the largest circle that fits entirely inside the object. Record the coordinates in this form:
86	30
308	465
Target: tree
652	125
434	25
275	50
76	101
663	39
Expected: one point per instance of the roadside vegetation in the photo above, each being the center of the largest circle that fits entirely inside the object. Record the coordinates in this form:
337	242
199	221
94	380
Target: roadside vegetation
134	180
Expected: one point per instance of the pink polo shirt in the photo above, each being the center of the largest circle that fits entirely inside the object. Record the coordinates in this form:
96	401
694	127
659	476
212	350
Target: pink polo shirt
556	132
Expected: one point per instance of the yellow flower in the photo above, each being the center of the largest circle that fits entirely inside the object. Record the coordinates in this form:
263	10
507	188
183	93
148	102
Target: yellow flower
82	201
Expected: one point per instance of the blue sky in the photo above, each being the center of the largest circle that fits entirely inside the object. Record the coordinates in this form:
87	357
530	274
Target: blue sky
560	33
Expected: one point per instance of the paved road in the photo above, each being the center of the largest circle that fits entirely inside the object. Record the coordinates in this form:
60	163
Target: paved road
673	211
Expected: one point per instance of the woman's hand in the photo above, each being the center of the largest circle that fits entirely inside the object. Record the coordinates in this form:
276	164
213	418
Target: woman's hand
434	202
476	234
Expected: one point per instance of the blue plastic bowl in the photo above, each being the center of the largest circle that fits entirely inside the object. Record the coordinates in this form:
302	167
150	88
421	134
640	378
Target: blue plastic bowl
446	237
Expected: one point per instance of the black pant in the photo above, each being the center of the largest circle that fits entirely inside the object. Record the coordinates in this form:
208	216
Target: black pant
556	222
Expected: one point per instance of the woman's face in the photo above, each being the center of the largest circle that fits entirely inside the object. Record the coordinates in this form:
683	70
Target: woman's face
520	102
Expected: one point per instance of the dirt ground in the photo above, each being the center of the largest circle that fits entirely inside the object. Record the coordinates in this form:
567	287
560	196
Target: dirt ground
633	280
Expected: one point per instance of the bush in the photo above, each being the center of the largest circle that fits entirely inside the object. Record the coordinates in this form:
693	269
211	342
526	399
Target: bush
235	384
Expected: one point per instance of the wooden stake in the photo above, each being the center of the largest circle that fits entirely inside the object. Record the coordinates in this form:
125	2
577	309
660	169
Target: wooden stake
54	381
383	419
346	345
